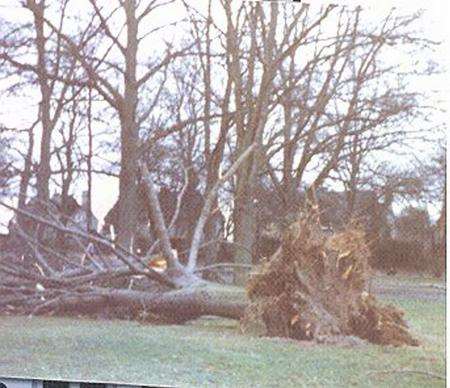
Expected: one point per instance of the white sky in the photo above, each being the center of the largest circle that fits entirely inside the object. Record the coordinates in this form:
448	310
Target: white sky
434	23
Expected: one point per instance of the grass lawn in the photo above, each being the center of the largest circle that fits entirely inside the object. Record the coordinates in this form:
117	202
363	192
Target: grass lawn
212	352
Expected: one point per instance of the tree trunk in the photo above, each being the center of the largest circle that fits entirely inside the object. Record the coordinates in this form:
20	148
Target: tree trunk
89	162
129	135
128	186
244	222
173	306
43	175
212	158
250	131
25	176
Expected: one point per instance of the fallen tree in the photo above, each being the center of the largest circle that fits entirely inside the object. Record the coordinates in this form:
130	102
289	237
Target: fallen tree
129	289
122	285
313	288
174	306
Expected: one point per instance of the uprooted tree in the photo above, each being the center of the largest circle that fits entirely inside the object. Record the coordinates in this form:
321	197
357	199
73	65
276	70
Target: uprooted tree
284	89
315	287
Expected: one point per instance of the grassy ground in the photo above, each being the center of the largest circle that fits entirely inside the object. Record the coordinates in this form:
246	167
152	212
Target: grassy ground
212	352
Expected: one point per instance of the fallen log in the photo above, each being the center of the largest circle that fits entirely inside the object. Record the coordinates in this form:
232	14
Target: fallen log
176	306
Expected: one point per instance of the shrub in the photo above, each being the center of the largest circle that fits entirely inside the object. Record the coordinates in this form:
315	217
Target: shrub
400	255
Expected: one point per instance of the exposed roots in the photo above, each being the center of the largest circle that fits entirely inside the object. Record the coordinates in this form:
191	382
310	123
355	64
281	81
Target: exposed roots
315	288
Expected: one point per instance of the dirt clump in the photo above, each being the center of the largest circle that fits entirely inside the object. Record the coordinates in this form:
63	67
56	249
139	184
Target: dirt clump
315	287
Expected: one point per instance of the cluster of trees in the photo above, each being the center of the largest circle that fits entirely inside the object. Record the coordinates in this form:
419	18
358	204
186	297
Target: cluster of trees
246	96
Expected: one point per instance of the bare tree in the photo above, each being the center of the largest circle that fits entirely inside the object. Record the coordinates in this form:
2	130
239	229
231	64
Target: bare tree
252	95
48	116
291	104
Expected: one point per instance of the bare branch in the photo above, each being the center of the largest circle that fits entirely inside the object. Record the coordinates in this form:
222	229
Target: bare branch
207	207
158	219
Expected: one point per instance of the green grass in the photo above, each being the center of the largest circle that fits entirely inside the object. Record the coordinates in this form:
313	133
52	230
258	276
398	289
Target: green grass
212	352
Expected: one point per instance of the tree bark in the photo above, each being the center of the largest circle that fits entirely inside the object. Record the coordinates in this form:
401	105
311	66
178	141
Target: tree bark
26	176
129	134
178	306
43	175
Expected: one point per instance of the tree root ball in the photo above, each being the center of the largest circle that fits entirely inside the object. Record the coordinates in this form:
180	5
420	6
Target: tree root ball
315	288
